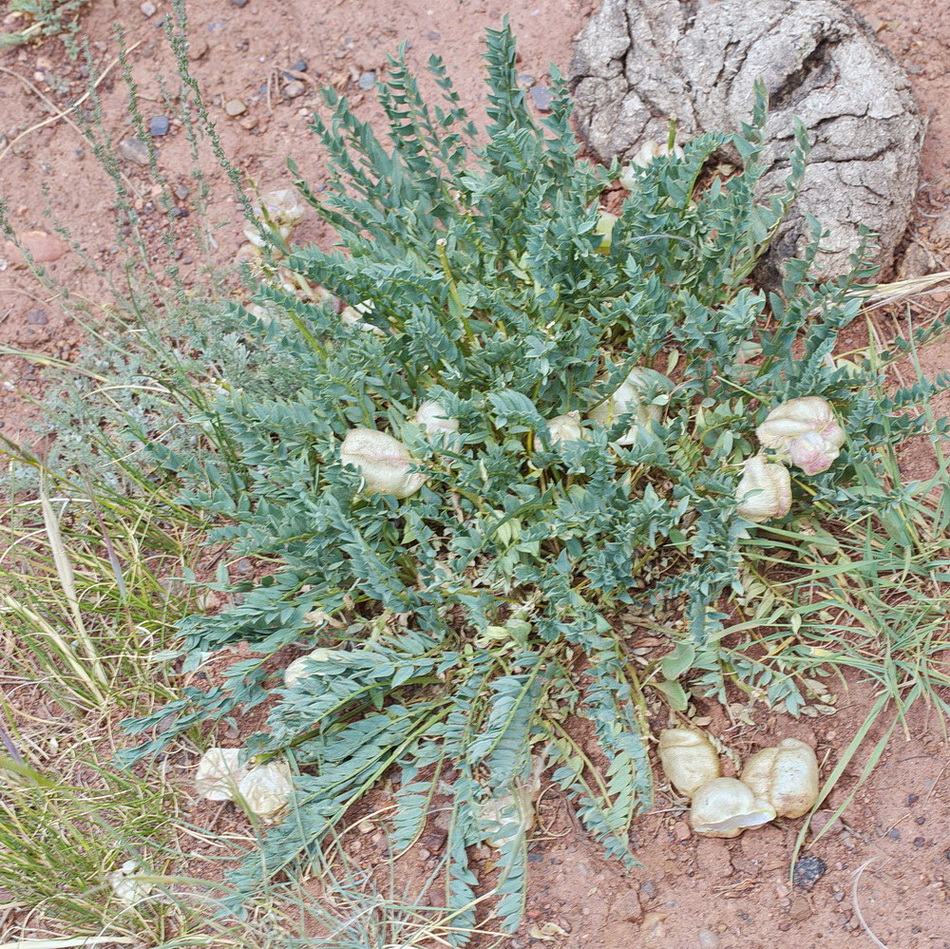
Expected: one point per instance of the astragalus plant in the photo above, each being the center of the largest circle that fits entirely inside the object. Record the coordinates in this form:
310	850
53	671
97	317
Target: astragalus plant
516	439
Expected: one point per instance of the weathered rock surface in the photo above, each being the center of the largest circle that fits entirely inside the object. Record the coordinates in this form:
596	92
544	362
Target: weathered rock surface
639	63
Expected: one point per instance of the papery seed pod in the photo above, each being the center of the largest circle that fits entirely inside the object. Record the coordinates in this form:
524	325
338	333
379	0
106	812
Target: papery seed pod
279	211
353	316
725	807
305	666
812	452
811	425
630	398
512	814
383	461
566	428
786	776
434	419
604	228
764	490
127	884
689	759
219	774
265	790
647	152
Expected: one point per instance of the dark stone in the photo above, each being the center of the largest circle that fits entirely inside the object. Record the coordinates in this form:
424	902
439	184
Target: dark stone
37	318
300	66
158	125
238	3
808	871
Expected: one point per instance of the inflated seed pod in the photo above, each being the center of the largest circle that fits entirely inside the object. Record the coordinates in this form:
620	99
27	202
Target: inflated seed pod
786	776
265	790
383	461
305	666
725	807
689	759
219	773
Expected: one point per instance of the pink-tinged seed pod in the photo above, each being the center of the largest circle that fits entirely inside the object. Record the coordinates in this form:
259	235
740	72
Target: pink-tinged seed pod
812	452
806	430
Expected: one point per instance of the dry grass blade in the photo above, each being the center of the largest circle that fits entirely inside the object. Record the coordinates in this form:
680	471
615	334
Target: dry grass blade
64	570
885	293
66	943
857	907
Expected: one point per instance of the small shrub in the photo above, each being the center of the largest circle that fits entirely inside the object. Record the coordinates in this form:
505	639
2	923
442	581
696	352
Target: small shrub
474	610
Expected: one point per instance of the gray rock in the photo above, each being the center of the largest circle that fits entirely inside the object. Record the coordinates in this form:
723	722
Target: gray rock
134	149
235	107
639	63
37	317
294	89
542	96
158	125
367	80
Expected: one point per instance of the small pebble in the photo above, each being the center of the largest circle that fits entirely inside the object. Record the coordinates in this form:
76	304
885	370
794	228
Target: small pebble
912	799
542	97
535	857
148	9
366	80
920	820
894	834
235	107
181	191
432	35
134	149
300	66
37	318
919	842
525	80
158	125
294	89
799	911
707	939
238	3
